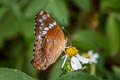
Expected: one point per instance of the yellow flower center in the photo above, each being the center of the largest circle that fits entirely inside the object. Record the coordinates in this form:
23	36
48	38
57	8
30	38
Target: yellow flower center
86	55
71	51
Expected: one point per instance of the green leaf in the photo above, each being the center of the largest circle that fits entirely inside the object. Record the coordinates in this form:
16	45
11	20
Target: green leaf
55	71
117	70
78	76
9	26
28	67
1	42
5	2
16	10
57	8
83	4
87	39
3	10
113	33
111	76
17	59
59	11
13	74
110	5
34	6
27	28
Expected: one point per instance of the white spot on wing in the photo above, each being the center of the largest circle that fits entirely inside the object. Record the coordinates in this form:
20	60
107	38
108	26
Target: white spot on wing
34	27
40	28
40	20
44	32
47	40
44	17
51	25
42	24
54	23
48	15
46	28
39	37
41	12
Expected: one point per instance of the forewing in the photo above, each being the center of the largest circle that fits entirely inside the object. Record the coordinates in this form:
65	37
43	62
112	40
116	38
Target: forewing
50	41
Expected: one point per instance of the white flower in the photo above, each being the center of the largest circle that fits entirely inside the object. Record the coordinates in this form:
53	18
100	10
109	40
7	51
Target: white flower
93	56
75	64
76	61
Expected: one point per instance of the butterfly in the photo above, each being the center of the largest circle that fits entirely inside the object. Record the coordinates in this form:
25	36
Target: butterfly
50	41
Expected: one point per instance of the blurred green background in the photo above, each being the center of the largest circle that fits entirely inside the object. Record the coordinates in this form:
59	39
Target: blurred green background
91	24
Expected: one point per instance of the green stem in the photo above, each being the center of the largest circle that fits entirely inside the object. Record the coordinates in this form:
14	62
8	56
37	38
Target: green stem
92	69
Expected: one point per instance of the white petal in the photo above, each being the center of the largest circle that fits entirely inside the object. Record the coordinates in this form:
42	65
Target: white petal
75	63
64	61
94	58
90	52
82	59
63	56
96	55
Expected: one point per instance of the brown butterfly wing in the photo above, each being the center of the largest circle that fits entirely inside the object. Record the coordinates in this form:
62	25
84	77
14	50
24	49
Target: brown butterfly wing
49	46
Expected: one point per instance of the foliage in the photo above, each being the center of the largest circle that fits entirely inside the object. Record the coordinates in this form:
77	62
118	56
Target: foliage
13	74
92	24
78	76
